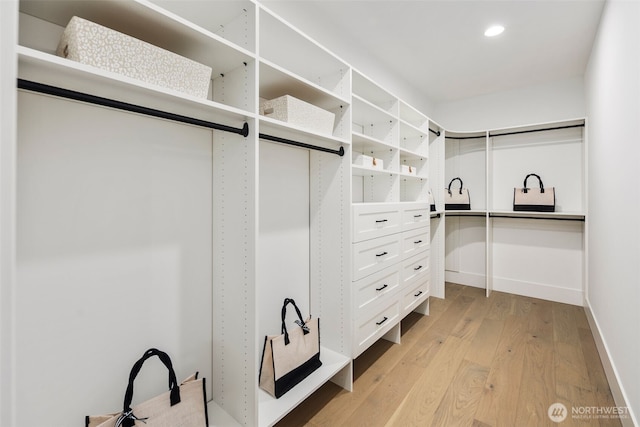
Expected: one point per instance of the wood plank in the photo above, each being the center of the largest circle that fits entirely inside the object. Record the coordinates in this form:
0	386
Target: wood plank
501	305
501	391
484	344
538	375
422	401
459	403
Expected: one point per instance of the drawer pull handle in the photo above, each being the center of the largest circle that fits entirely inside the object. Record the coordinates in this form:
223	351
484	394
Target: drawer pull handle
384	286
418	268
417	216
381	220
418	294
382	321
382	254
419	241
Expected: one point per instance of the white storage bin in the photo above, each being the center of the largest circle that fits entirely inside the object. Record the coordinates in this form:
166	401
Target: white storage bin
368	161
92	44
408	170
292	110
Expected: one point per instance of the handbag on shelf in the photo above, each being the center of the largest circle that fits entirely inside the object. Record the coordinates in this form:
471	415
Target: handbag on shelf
184	404
534	199
432	202
289	358
455	200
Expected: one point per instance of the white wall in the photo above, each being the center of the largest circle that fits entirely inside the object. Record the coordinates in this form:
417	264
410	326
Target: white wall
8	74
547	102
612	83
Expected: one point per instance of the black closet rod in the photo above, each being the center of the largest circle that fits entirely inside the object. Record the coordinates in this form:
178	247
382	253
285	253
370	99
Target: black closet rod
106	102
465	137
581	125
436	132
339	152
535	217
517	132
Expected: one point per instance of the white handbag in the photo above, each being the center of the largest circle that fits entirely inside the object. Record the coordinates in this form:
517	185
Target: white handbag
457	199
534	199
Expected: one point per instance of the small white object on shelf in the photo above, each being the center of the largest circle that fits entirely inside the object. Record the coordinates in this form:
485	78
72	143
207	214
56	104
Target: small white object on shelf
407	169
297	112
369	162
92	44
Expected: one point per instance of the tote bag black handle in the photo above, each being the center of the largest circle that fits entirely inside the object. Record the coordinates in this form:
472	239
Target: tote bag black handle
526	190
454	179
128	419
288	301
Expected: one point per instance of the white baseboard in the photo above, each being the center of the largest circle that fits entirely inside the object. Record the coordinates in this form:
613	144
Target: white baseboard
619	396
539	290
461	278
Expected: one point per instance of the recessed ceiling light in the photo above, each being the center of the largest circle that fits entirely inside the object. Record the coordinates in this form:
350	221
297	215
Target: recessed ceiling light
494	30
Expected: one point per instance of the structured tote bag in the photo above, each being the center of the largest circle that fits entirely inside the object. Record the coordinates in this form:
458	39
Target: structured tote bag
534	199
289	358
183	405
457	199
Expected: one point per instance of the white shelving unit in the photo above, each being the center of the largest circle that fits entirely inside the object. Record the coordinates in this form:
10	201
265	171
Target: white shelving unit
391	240
494	247
219	260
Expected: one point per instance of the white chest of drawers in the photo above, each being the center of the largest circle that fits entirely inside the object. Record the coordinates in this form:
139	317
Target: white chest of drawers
390	256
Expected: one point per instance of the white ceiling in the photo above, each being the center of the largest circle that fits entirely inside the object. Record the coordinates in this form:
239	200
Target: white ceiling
438	46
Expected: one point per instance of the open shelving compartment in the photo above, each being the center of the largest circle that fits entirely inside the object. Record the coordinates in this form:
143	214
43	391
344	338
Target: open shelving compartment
466	231
42	24
556	152
138	161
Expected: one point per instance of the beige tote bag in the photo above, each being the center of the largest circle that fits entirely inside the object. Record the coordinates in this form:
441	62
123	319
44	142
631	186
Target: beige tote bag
184	405
456	200
289	358
534	199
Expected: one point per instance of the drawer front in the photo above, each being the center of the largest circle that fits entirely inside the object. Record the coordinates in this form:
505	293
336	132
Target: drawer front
376	287
415	241
415	295
371	221
370	328
374	255
415	267
416	216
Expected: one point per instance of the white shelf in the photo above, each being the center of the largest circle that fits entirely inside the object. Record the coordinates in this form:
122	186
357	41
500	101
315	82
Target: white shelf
286	130
357	170
414	154
412	116
542	215
141	19
275	81
472	212
370	92
271	410
362	142
282	44
53	70
366	113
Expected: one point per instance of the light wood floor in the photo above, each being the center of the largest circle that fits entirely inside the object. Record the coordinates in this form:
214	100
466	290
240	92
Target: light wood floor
474	361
